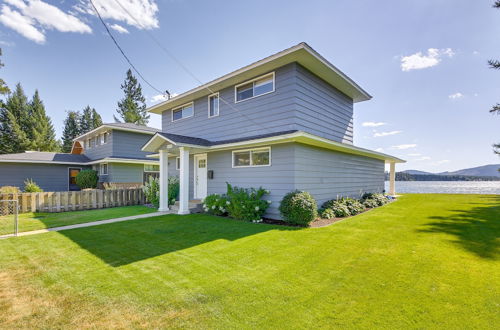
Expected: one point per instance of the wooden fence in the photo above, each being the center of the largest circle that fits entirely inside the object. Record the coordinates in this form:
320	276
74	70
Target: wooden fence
75	200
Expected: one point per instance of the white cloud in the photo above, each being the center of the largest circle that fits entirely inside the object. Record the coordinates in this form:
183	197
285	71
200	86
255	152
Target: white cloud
440	162
143	13
404	146
420	61
414	155
118	28
35	16
161	97
386	133
372	124
21	24
380	149
455	96
423	158
475	52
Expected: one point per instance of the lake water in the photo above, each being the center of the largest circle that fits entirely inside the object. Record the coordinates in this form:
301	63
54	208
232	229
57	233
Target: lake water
447	187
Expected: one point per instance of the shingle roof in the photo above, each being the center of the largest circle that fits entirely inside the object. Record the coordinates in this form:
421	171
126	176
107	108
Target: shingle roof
45	157
206	143
133	126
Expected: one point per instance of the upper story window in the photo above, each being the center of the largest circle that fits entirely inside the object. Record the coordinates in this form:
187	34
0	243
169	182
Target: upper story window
213	105
97	140
91	143
256	87
104	138
103	169
151	168
182	112
252	157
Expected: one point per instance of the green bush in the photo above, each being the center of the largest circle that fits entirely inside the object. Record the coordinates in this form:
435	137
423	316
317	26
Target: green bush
246	203
338	207
87	179
298	208
31	187
374	198
9	190
370	203
215	204
354	206
173	189
326	214
151	190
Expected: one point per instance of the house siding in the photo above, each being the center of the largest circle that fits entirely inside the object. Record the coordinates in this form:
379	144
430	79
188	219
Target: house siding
129	144
102	150
125	173
301	101
50	177
330	174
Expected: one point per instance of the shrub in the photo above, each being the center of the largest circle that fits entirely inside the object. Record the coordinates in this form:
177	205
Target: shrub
87	179
327	214
215	204
338	207
379	199
173	189
370	203
298	208
246	203
354	206
30	186
152	191
9	190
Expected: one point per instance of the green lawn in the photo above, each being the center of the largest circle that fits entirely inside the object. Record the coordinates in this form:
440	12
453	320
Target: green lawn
34	221
425	261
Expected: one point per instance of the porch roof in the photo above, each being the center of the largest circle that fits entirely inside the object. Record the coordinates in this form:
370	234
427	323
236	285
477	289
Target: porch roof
160	139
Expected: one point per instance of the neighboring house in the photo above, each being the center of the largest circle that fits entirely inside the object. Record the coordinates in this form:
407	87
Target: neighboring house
114	150
283	123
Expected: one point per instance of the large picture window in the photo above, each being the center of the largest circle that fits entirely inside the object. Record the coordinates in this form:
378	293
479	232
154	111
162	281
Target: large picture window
255	87
151	168
183	112
252	157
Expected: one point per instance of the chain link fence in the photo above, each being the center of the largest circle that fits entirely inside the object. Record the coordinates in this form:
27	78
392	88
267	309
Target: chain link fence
9	217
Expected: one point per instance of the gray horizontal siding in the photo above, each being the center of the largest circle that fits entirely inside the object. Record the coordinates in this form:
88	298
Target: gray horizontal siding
102	150
327	174
50	177
125	173
129	144
278	178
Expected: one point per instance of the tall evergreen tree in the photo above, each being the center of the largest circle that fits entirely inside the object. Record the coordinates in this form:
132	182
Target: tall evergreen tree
3	86
495	64
40	133
132	108
89	120
71	130
15	123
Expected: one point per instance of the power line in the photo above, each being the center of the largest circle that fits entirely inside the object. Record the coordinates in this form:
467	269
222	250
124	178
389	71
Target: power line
121	50
189	72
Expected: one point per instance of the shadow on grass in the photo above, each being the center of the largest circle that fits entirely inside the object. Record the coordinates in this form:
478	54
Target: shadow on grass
477	229
126	242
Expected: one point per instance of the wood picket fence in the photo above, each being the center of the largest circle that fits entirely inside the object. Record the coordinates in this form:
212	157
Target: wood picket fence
75	200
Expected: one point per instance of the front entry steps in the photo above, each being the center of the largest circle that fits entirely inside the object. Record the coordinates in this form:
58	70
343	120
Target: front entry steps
195	206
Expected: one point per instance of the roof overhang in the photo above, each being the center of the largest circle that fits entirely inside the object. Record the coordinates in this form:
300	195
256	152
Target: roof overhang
104	128
103	160
301	53
158	142
26	161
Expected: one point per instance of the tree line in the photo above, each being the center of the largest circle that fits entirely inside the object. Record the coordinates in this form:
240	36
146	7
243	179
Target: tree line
25	125
403	176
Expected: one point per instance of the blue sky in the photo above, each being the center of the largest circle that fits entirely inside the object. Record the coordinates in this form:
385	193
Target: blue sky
423	61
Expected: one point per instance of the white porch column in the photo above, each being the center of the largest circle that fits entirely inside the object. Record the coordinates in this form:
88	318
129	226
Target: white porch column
163	181
392	179
184	181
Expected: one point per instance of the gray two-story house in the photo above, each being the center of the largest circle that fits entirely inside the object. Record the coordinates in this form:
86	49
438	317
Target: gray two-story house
113	150
283	123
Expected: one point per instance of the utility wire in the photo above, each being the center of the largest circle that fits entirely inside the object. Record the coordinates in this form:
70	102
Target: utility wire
121	50
189	72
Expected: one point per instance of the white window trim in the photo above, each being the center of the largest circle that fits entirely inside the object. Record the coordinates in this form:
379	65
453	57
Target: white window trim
179	107
178	163
251	81
101	167
218	105
251	149
144	169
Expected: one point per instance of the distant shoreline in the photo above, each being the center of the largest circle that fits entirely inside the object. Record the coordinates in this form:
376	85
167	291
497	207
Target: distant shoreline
402	176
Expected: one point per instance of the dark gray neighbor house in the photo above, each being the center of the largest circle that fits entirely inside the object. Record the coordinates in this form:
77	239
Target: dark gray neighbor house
114	150
283	123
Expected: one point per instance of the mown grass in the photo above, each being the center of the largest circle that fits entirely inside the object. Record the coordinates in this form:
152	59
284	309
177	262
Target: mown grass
33	221
425	261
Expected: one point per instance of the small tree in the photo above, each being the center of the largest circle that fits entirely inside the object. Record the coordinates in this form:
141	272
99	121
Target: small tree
71	130
87	179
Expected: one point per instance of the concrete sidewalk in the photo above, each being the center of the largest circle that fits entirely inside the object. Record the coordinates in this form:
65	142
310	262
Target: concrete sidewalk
88	224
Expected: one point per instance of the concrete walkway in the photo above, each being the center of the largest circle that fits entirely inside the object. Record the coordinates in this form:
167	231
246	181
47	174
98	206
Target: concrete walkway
88	224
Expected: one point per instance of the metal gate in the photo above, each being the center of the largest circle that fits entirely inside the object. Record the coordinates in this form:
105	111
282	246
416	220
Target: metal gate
9	224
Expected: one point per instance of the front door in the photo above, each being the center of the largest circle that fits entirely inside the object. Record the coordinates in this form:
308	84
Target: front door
200	176
72	173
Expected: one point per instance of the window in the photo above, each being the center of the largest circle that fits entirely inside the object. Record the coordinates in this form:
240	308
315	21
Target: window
104	138
256	87
91	143
253	157
151	168
104	169
213	105
183	112
178	163
97	140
